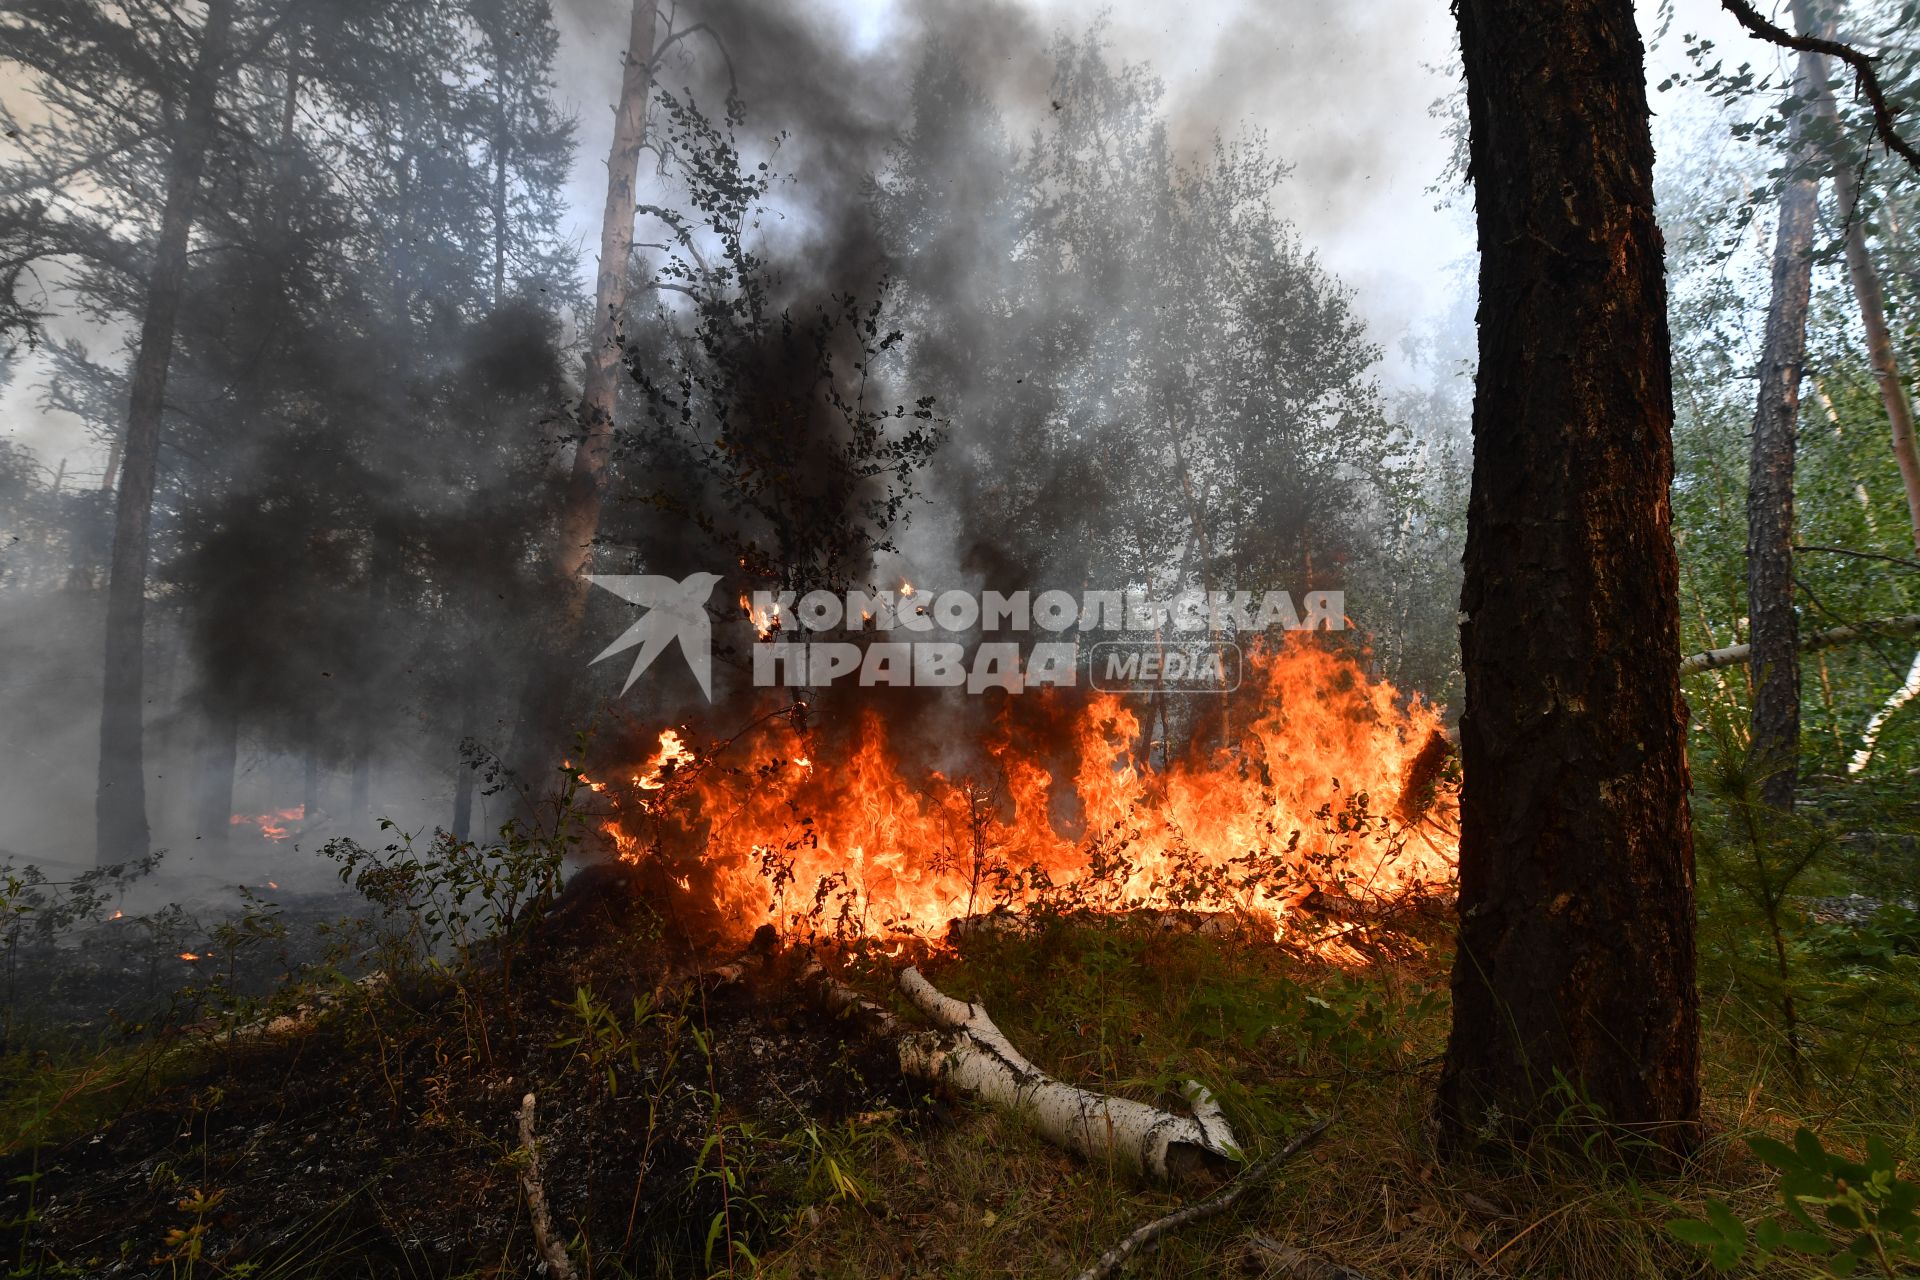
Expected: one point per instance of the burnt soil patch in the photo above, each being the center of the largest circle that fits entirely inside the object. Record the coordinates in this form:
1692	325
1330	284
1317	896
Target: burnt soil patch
680	1113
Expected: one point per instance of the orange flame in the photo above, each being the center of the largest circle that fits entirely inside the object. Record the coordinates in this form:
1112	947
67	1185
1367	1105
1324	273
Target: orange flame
672	754
271	825
1333	783
765	621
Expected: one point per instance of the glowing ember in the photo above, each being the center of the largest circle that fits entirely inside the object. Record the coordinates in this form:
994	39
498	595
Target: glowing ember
1335	783
188	955
271	825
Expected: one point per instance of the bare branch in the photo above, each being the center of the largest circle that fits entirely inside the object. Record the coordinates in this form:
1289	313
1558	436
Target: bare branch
699	28
1214	1205
1862	555
552	1251
1735	654
1862	64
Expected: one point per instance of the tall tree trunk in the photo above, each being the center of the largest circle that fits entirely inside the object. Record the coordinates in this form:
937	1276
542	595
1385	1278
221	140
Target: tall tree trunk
580	518
1867	292
543	697
1575	958
110	474
213	798
500	145
1773	627
365	726
310	798
120	807
463	768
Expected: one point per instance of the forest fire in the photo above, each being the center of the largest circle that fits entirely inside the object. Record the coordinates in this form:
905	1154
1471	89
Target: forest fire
274	826
1334	784
765	620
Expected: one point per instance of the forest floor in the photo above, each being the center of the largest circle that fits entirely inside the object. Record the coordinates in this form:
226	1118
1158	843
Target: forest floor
692	1126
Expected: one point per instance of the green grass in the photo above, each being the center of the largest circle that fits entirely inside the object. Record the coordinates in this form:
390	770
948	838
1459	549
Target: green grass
951	1188
1280	1035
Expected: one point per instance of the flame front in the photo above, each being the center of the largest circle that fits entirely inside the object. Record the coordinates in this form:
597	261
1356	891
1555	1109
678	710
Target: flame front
765	621
274	826
1335	782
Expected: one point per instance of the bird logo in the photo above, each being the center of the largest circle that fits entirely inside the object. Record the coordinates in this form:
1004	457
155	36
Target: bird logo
675	611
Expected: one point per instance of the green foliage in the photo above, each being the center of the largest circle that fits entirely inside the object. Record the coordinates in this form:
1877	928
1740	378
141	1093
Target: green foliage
771	414
604	1040
724	1168
453	895
833	1154
1153	382
1867	1211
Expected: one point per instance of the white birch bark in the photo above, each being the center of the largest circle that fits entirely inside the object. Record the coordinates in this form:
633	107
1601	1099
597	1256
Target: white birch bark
973	1055
1870	736
1734	654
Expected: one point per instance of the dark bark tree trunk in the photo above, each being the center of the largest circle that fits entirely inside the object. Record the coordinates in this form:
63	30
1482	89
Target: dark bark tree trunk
213	797
310	798
462	800
500	145
120	807
463	770
1773	628
385	563
1575	958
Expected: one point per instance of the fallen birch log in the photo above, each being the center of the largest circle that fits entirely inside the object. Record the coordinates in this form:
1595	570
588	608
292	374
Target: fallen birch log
1200	1210
973	1055
842	1001
1735	654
